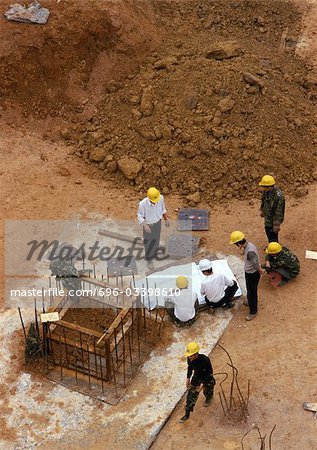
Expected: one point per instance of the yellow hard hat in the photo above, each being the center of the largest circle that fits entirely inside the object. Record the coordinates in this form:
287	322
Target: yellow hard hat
267	181
191	349
181	282
236	236
273	248
153	195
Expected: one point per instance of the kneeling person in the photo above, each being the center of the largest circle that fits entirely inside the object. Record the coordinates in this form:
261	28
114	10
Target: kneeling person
218	289
281	264
182	308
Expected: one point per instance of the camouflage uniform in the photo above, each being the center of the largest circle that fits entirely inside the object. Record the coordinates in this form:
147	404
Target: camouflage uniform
272	209
193	393
68	274
203	374
285	263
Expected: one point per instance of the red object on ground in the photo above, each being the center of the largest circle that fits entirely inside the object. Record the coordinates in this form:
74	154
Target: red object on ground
275	278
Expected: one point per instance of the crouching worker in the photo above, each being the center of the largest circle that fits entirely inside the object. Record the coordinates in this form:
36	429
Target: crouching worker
218	289
183	305
199	375
281	264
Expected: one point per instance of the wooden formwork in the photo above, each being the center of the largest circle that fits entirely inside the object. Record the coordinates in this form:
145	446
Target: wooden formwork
100	364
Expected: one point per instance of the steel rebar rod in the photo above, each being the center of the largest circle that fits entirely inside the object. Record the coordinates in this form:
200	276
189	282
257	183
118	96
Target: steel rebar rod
82	350
66	352
123	353
22	323
61	357
130	352
88	366
95	353
101	372
270	437
114	377
222	404
232	382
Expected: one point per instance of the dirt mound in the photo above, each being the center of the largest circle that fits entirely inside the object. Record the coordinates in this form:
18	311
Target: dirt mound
214	110
56	69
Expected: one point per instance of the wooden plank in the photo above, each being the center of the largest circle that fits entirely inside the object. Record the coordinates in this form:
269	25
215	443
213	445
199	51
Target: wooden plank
54	307
121	237
126	326
103	301
61	315
78	328
71	343
114	325
99	283
117	320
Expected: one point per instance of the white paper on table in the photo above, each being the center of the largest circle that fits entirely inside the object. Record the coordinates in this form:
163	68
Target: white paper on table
166	279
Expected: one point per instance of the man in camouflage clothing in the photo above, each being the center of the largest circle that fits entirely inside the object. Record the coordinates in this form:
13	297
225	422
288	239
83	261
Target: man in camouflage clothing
200	367
281	264
272	207
66	272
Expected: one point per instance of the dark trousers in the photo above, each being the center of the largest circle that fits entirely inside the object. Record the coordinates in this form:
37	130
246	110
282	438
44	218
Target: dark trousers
227	298
271	235
151	241
252	281
193	393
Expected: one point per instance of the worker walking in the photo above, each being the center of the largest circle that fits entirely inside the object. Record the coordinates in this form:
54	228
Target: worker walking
182	306
150	212
272	207
281	264
252	270
218	289
199	375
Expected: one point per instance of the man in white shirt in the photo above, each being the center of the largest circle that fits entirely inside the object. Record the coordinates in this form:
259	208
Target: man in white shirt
218	289
182	308
150	212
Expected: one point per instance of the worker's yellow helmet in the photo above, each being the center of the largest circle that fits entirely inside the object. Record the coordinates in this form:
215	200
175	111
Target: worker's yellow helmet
153	195
236	236
267	181
191	349
181	282
273	248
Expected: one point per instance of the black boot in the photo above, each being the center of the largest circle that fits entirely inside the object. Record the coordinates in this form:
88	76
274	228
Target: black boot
184	418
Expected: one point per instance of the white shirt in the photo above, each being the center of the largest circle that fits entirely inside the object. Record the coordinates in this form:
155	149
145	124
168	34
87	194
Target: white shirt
184	304
149	213
214	286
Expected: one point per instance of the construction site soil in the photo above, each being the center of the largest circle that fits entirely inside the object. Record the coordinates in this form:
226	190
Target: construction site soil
196	98
199	99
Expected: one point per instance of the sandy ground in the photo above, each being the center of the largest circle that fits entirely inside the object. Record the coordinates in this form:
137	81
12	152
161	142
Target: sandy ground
283	334
275	351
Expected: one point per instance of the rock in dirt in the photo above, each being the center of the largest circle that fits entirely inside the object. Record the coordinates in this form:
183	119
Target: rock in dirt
112	166
193	199
191	102
129	167
226	104
35	13
224	50
252	79
149	135
97	154
165	63
147	106
301	191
